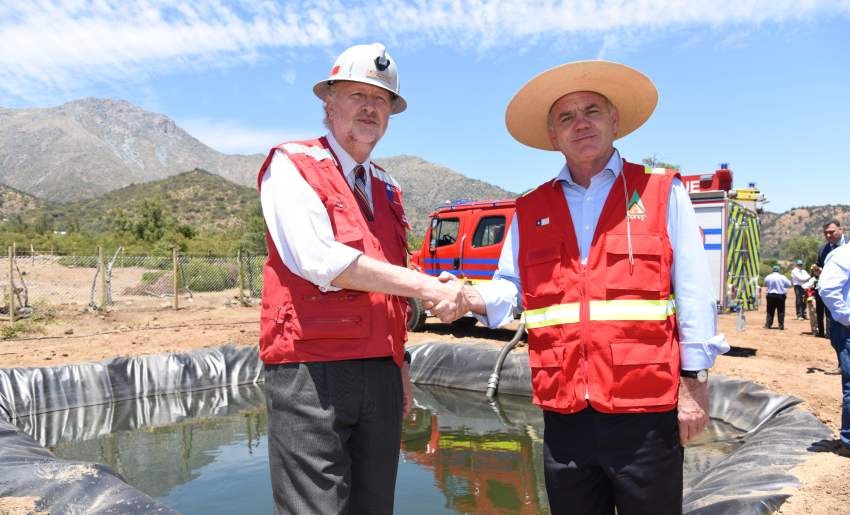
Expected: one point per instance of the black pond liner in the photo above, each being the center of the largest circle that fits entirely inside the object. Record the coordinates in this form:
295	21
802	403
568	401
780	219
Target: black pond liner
755	478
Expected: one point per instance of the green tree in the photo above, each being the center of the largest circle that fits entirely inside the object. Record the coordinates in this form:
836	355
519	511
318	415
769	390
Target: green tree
43	224
654	162
253	238
152	221
802	247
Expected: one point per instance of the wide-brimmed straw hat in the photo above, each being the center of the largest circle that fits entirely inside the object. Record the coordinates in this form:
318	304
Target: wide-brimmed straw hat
632	93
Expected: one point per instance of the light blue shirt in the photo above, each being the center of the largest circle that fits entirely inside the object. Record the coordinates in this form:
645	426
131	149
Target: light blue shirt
776	283
834	284
696	309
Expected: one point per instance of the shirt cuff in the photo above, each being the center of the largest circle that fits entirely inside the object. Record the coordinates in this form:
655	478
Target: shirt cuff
499	301
336	262
701	355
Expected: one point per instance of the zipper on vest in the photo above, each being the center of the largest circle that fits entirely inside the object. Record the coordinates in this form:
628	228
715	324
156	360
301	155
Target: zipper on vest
584	321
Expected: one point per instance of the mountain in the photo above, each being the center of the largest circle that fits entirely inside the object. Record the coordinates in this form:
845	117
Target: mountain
88	147
427	185
13	202
203	200
778	228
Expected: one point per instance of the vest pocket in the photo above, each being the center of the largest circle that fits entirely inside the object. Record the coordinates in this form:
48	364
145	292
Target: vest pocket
620	276
540	269
643	376
549	385
334	323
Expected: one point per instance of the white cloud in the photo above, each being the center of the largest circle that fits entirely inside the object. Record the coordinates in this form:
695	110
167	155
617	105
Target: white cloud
56	46
233	138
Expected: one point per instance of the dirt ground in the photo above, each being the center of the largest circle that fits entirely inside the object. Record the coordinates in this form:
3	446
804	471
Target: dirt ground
790	361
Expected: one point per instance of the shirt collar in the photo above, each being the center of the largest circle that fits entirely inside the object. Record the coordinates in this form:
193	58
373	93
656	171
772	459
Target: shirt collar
614	166
346	162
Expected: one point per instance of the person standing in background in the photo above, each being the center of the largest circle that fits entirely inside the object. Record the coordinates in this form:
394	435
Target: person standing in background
776	285
834	235
799	276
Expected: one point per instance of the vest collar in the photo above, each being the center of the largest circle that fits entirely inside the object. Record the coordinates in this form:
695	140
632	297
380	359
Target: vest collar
346	162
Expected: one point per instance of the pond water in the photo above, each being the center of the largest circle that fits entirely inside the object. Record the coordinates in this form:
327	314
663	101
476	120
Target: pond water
205	452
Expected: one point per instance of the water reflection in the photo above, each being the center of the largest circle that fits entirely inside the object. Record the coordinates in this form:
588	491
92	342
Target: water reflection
205	452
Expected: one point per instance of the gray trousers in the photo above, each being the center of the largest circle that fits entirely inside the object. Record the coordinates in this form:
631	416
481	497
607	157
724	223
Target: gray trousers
334	435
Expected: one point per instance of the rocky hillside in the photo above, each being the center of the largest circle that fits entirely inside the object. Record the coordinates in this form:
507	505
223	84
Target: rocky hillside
84	148
202	200
778	228
13	201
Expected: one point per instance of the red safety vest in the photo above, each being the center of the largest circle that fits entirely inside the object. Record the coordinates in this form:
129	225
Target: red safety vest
299	322
603	333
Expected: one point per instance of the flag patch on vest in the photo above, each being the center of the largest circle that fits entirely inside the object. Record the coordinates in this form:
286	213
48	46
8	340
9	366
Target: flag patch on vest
541	222
636	210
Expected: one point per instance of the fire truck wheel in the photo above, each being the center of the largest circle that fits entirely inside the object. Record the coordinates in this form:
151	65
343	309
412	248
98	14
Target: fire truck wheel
416	318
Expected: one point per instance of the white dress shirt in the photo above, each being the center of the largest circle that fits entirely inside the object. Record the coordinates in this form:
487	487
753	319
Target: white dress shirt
298	222
696	310
799	276
834	284
776	283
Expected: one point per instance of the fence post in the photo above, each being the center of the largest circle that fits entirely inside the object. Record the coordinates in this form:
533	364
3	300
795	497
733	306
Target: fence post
176	279
242	299
102	266
11	285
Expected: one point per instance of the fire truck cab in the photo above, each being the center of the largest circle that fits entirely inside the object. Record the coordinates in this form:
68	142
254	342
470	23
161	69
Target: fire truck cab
463	238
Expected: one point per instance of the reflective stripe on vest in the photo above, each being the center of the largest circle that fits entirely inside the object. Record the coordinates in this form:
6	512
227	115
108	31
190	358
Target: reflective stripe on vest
601	310
317	153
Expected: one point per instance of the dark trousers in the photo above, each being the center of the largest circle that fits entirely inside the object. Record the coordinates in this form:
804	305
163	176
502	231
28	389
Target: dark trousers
823	316
594	462
334	435
775	304
800	301
840	338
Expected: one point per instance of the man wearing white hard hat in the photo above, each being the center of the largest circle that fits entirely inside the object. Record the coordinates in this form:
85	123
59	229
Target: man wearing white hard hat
617	294
332	327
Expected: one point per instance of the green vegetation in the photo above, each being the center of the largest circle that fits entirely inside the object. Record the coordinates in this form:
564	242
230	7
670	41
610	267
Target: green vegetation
195	212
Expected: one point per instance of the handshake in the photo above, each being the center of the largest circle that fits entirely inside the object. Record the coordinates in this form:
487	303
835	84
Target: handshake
449	298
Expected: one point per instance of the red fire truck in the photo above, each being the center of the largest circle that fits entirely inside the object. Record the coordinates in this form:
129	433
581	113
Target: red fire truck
465	238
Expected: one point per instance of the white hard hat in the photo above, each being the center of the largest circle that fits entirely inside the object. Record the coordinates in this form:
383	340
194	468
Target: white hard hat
369	64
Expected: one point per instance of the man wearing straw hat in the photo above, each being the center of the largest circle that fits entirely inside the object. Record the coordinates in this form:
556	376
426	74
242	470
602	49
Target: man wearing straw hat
618	299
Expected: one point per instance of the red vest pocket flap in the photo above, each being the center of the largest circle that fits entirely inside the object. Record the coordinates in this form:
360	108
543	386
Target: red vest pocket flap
353	322
640	352
546	357
542	255
643	244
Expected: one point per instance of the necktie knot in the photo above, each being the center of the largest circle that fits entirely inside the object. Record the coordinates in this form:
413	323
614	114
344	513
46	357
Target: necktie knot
360	191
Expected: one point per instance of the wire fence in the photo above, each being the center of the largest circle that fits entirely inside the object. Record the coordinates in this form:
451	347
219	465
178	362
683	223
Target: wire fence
106	281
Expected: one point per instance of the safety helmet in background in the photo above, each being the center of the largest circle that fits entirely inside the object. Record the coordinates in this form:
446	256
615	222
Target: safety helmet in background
369	64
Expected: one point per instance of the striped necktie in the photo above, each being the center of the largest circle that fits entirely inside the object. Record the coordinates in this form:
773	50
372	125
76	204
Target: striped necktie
360	191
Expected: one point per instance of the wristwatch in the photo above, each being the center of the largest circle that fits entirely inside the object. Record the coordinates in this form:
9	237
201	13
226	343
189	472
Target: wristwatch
699	375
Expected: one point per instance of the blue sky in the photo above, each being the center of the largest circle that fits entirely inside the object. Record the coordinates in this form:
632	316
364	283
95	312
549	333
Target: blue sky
760	84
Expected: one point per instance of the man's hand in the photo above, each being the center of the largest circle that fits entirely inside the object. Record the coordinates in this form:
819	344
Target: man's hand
450	302
405	386
693	408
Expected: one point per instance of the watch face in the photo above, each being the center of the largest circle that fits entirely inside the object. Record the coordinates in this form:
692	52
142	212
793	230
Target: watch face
702	376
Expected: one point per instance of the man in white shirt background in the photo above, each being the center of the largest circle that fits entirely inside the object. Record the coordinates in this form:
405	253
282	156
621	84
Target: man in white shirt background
775	284
799	276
